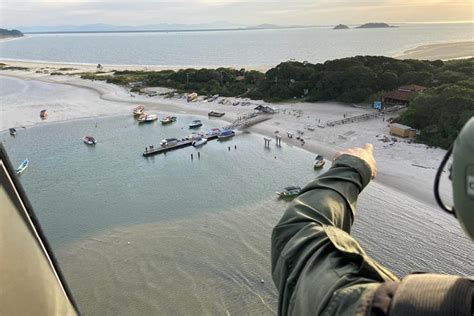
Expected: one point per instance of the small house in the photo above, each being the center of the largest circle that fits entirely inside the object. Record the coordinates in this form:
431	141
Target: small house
401	130
403	94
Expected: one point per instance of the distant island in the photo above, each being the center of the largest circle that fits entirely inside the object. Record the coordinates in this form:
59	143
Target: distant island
341	27
4	33
374	26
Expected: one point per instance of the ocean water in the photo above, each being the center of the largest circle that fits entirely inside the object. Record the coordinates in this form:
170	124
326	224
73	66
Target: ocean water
171	235
229	48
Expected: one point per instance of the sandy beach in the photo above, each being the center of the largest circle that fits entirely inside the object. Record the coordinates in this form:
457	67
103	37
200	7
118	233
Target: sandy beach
407	167
444	51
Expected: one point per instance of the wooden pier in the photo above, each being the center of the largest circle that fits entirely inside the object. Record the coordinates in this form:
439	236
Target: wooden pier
241	123
366	116
180	144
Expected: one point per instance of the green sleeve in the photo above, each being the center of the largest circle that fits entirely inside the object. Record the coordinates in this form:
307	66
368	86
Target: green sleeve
316	265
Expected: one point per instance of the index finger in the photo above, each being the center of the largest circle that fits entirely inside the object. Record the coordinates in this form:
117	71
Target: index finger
369	147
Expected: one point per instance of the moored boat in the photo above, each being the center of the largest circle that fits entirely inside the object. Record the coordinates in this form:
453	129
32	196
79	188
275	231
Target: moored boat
44	114
168	119
289	192
12	131
192	97
23	166
227	133
139	110
213	132
89	140
199	142
195	124
169	142
147	118
216	114
319	162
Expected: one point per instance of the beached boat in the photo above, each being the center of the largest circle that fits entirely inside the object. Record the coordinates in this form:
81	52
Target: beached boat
139	110
169	142
289	192
199	142
168	120
192	97
319	162
227	133
43	114
147	118
213	98
23	166
12	131
216	114
89	140
195	124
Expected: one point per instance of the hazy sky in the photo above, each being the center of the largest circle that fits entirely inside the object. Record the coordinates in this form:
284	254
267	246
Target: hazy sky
312	12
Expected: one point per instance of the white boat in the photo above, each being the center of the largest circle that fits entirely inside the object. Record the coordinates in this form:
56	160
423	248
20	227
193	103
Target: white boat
89	140
23	166
168	142
147	118
319	162
228	133
195	123
212	133
139	110
199	142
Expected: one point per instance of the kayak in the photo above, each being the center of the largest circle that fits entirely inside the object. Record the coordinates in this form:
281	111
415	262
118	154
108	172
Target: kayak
23	166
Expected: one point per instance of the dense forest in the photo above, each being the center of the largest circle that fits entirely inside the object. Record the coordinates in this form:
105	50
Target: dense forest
354	79
441	112
13	33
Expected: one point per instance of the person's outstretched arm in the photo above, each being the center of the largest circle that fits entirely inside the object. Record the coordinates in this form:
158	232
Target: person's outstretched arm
316	265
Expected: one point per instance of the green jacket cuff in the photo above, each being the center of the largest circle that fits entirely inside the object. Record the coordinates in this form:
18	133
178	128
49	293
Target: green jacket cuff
358	164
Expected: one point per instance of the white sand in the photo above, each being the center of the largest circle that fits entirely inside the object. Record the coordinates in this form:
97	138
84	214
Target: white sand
83	67
443	51
395	162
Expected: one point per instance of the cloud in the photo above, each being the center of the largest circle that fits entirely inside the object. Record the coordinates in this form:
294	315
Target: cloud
129	12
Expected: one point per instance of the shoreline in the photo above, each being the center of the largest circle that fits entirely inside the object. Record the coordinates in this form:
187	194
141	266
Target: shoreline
397	162
428	51
89	67
435	51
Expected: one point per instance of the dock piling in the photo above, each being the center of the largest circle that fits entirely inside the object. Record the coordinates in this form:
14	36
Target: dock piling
278	140
267	142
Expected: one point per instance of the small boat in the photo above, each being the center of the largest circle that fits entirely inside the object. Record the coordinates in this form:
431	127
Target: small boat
43	114
12	131
147	118
168	120
212	133
195	123
199	142
194	136
213	98
23	166
192	97
139	110
89	140
169	142
216	114
289	192
228	133
319	162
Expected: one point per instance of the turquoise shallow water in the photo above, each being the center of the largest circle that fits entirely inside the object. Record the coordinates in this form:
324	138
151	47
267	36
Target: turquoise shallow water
78	190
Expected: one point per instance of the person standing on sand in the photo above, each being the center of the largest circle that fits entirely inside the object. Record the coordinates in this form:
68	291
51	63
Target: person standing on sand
319	269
